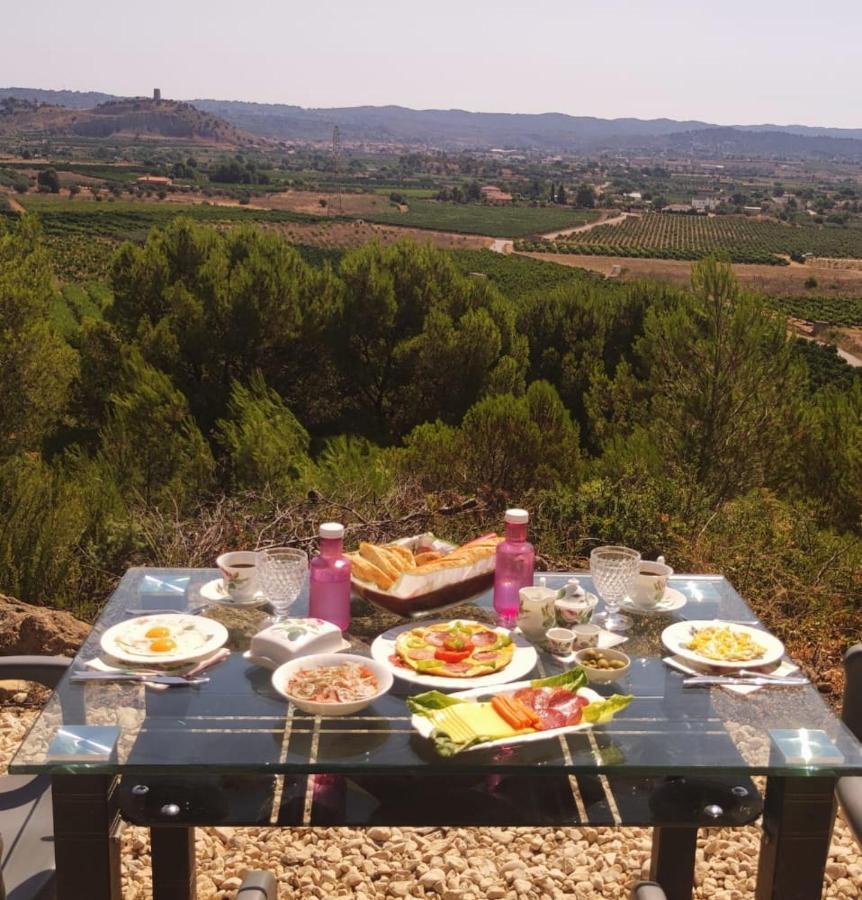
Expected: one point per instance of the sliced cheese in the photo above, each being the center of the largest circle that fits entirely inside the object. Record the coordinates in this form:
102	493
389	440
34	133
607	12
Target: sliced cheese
469	721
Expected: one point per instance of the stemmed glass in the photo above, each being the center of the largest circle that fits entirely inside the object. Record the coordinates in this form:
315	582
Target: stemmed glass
281	574
614	570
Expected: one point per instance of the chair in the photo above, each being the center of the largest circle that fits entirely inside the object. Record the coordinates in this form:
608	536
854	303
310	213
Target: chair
647	890
849	789
258	886
26	817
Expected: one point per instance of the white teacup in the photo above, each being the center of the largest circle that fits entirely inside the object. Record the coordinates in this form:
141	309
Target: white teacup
239	573
586	636
650	585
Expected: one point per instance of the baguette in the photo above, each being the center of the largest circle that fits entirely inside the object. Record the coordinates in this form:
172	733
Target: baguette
404	556
380	558
427	556
367	571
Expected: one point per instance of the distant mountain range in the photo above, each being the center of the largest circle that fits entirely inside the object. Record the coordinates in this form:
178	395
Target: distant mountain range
455	129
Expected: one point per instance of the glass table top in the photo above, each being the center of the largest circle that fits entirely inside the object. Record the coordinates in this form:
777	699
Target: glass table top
238	723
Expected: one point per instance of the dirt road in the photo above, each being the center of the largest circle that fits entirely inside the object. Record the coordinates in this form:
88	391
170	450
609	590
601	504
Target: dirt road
604	218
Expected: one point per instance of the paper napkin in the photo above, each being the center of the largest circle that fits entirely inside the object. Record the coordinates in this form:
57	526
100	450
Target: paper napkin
782	670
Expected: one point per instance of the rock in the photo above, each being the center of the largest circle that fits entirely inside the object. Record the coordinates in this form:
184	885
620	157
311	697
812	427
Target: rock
379	834
27	629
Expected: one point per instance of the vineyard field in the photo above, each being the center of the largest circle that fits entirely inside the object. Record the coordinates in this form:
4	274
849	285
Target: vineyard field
845	311
517	276
666	236
474	218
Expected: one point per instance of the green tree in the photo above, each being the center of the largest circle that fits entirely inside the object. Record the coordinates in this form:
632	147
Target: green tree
561	195
36	365
415	338
150	442
48	180
725	386
585	197
264	443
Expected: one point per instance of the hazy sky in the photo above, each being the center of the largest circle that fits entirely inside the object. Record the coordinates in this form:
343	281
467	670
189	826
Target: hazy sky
725	61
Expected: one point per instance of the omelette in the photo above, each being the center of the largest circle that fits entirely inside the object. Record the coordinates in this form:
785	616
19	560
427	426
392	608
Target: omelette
461	649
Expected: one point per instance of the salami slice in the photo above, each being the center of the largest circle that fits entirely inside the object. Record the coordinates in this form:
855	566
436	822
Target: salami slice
437	638
422	653
527	696
484	638
551	718
485	656
574	717
560	697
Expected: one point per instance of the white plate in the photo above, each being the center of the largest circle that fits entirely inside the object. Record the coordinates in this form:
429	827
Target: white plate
215	633
522	663
214	591
425	726
672	600
678	634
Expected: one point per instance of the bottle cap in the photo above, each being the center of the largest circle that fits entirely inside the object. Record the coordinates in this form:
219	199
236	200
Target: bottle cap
517	516
331	530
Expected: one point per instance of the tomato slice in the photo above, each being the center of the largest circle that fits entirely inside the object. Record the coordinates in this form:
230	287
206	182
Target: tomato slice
452	656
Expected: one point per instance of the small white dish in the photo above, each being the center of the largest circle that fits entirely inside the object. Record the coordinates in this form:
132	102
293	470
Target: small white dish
672	601
282	675
603	676
215	592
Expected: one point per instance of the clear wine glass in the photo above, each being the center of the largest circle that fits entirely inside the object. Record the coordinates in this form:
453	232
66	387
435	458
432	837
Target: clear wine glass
614	570
281	574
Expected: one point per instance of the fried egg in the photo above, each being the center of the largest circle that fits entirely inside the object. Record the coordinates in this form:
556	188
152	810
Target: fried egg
159	637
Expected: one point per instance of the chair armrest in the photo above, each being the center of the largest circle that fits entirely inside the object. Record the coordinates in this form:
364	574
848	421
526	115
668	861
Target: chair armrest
851	711
258	886
45	670
849	791
648	890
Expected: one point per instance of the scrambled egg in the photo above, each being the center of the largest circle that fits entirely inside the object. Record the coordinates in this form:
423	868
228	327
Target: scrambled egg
722	643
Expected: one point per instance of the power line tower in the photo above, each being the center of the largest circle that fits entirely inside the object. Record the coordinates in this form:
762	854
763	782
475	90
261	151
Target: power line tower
335	207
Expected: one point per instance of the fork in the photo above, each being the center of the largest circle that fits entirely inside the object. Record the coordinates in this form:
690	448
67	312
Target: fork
159	612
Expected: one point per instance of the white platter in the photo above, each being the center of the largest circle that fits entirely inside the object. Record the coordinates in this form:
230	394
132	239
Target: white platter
215	635
678	634
523	660
672	600
215	592
425	726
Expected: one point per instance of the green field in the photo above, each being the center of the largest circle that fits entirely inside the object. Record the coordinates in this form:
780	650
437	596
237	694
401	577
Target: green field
516	276
832	310
668	236
494	221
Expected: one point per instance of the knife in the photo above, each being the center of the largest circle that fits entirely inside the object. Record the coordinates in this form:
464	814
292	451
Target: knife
80	677
758	680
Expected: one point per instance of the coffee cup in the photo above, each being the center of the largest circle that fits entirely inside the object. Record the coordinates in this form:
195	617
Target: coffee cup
651	583
239	574
560	641
586	636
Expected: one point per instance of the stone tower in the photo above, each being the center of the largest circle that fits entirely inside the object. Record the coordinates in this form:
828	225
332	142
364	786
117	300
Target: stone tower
157	95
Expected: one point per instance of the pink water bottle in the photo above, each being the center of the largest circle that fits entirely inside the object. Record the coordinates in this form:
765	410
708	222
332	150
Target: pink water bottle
329	581
513	567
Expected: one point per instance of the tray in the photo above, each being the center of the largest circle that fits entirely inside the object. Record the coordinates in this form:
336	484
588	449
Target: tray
422	605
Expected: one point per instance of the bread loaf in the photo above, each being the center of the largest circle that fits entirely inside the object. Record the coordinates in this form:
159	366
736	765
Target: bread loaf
405	557
367	571
381	558
427	556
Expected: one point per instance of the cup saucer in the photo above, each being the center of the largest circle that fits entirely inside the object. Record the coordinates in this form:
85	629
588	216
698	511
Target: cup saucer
215	592
672	600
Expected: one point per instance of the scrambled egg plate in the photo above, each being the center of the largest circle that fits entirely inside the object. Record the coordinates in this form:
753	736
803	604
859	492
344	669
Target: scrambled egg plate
160	636
724	644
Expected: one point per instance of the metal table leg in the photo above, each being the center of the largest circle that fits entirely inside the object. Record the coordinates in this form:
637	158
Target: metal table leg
672	862
173	861
798	815
86	837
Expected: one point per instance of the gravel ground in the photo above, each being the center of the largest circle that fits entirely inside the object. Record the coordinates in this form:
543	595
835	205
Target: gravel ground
455	863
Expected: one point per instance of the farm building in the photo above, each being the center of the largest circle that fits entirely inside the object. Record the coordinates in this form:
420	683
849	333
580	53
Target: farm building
493	194
154	180
704	204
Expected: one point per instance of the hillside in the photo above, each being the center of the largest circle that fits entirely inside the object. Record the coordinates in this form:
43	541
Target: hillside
460	129
132	117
